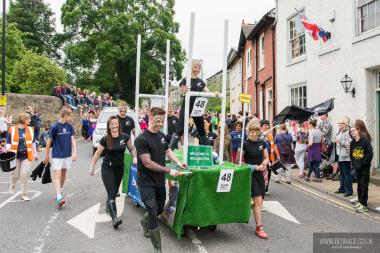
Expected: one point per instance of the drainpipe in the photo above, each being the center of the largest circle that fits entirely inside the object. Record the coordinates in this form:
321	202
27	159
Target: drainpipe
257	81
274	95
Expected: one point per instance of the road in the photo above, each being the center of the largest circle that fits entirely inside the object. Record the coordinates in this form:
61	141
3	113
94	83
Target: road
37	226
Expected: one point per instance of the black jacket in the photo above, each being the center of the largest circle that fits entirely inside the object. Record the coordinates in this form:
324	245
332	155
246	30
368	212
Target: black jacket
361	154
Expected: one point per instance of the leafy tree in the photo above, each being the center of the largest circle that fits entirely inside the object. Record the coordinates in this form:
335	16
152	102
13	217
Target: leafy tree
101	37
35	19
37	74
15	49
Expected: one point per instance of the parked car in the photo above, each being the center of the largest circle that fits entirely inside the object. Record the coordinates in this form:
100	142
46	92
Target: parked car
101	125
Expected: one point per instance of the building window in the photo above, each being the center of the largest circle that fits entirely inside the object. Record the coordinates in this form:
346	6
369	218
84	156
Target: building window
262	51
296	37
298	96
368	13
269	108
248	63
378	80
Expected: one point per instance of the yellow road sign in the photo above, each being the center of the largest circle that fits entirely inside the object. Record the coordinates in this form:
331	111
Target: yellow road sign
244	98
3	100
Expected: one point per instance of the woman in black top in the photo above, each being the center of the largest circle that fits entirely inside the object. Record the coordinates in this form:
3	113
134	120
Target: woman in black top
210	135
114	144
255	154
197	84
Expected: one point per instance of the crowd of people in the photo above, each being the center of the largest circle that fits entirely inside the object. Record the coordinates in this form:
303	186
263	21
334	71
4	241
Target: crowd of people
77	98
306	145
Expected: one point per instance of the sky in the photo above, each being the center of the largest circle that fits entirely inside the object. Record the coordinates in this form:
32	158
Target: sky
209	25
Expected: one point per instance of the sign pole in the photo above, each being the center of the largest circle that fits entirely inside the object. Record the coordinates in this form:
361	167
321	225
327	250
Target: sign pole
3	52
137	91
244	117
224	93
188	81
167	85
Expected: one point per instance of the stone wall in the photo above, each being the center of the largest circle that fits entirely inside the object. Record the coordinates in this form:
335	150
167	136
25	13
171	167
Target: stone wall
48	106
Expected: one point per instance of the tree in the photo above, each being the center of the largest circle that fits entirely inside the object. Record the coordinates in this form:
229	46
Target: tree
35	19
15	49
100	43
37	74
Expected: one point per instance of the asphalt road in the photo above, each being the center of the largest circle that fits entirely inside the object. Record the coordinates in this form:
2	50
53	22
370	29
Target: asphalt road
37	226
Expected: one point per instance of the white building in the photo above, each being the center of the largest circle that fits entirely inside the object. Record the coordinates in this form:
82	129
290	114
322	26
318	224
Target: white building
309	72
234	80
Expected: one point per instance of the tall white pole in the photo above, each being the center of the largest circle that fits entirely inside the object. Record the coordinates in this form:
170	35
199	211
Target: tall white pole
137	91
244	117
167	85
224	93
188	84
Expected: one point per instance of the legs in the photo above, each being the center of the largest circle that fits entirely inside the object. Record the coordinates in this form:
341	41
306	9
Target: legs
363	181
300	157
21	172
346	170
258	193
59	180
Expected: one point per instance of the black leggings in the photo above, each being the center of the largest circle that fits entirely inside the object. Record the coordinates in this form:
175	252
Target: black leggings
112	176
363	181
154	201
197	120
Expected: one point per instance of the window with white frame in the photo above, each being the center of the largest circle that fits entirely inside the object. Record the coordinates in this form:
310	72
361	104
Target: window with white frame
269	100
368	15
248	60
296	37
261	51
378	80
298	95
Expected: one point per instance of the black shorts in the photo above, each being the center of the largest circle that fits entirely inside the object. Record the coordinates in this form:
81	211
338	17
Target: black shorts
149	193
258	184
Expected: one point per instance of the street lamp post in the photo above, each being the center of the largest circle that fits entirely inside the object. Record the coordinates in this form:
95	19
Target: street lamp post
346	85
3	53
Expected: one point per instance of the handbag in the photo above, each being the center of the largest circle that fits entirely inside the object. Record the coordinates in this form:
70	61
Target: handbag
287	149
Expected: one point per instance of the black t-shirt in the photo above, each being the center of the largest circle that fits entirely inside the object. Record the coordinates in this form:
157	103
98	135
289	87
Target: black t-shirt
126	124
115	156
172	124
211	136
155	145
196	85
254	151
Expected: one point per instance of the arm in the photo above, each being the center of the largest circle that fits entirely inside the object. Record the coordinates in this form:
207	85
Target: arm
196	140
132	150
134	133
264	164
153	166
171	155
368	154
74	148
310	140
95	158
47	150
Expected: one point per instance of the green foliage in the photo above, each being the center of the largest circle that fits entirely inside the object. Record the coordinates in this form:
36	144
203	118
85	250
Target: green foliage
15	49
100	42
37	74
35	19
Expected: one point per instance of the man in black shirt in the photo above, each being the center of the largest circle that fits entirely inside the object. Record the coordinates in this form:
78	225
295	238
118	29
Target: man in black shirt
127	124
151	149
172	125
196	85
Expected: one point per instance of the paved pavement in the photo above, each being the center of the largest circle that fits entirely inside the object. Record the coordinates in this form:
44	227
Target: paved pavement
329	187
36	226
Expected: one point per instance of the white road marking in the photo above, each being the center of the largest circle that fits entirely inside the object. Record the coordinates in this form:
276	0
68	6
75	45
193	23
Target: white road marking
46	233
276	208
196	241
86	221
11	199
35	195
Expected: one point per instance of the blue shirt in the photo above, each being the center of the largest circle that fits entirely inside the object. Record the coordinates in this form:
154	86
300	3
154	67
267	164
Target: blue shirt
61	134
236	139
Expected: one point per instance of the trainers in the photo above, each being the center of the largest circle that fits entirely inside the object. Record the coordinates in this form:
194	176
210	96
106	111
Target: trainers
12	189
267	193
362	209
354	200
261	233
336	178
357	205
60	202
331	176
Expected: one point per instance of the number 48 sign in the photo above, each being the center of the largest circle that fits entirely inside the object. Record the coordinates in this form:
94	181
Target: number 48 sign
225	180
199	107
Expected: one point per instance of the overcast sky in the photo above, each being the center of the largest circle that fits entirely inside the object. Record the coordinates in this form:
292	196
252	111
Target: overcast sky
209	18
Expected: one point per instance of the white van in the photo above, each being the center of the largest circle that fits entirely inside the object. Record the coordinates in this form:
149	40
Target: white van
101	125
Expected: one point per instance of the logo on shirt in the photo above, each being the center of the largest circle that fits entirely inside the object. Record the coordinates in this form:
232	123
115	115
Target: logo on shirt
122	142
261	148
64	130
163	141
358	153
127	123
199	84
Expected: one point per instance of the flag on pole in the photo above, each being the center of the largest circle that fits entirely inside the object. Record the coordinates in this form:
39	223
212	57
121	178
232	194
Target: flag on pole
314	30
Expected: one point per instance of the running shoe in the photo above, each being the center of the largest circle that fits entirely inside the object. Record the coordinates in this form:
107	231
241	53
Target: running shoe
60	202
354	200
357	205
362	209
261	233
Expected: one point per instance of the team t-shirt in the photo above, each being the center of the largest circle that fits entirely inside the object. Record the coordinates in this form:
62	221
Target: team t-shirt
254	151
126	124
155	145
115	155
195	85
61	134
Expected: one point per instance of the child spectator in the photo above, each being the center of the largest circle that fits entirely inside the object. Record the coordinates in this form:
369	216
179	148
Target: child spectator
3	143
